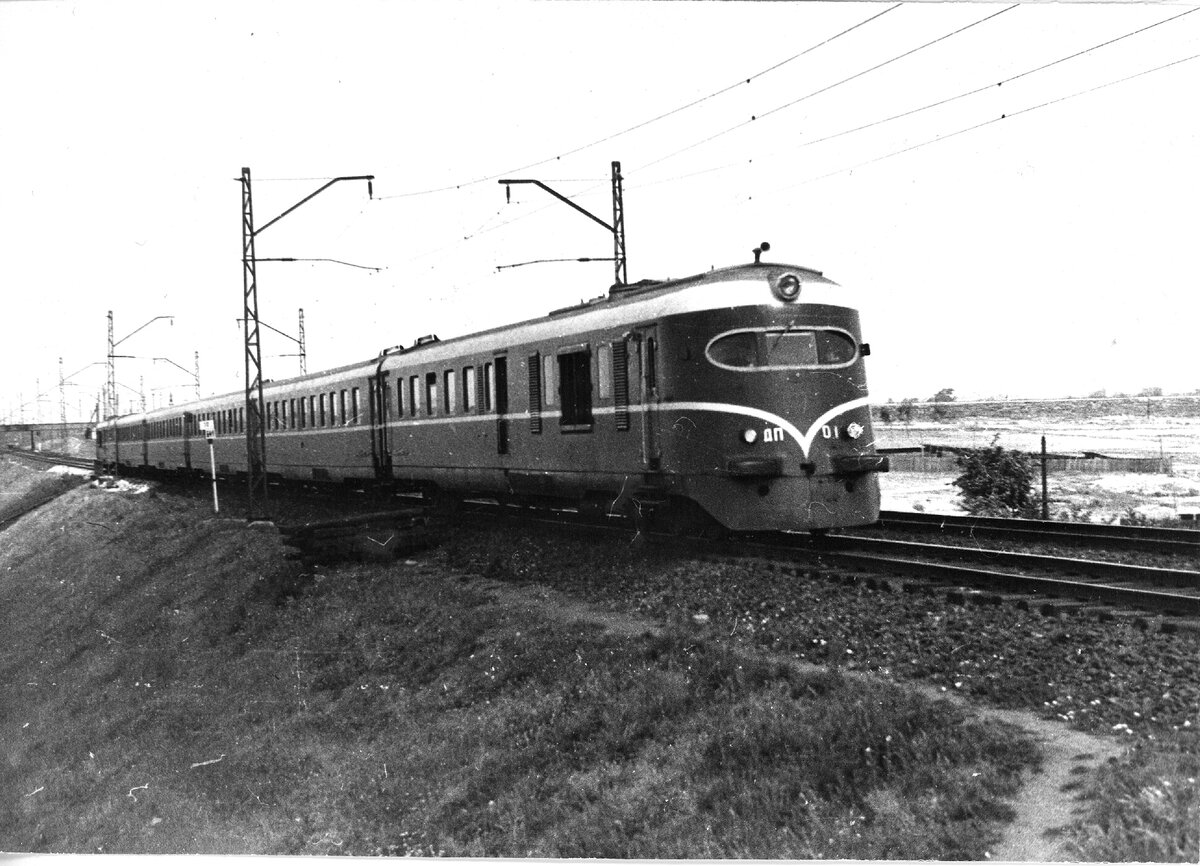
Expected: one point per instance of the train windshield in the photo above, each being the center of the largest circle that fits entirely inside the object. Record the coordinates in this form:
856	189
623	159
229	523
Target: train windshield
783	349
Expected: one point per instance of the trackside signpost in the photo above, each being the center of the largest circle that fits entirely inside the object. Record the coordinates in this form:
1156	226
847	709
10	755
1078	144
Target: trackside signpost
209	430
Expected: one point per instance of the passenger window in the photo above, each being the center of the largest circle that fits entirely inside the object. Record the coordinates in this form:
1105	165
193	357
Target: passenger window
400	397
489	387
342	408
353	405
575	388
449	394
321	410
414	396
604	371
549	381
430	393
469	389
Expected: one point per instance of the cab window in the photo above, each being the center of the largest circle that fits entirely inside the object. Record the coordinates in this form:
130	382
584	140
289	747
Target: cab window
735	350
783	348
790	349
834	347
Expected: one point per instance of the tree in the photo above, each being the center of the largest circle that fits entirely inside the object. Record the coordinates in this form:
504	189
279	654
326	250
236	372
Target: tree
996	482
946	395
905	411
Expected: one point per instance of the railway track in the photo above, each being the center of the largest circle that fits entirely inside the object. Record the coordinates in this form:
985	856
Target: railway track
1051	583
1155	539
52	459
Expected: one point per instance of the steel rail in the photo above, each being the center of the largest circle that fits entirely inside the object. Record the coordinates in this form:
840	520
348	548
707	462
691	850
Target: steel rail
51	458
988	557
1048	587
795	547
1153	538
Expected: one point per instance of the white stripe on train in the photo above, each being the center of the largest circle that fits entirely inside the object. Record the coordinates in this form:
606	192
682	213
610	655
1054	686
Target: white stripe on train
804	440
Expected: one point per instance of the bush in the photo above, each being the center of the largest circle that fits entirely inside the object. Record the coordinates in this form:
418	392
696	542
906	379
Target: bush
996	482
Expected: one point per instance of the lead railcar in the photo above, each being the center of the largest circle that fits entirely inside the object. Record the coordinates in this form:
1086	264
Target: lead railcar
737	395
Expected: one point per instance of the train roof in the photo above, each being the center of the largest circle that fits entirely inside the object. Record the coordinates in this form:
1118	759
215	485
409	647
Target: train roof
615	303
634	302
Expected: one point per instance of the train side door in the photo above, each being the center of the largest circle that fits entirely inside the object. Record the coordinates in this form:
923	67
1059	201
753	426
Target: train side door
501	373
188	420
643	381
381	450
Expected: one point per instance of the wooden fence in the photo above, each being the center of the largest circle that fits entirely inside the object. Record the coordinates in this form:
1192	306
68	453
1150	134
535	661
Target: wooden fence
932	462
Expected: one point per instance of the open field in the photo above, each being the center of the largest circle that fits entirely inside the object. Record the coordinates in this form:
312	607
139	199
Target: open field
1118	436
1105	497
1073	496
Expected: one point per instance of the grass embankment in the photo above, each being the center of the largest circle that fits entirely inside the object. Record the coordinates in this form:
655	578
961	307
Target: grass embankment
1145	808
1118	679
23	488
171	685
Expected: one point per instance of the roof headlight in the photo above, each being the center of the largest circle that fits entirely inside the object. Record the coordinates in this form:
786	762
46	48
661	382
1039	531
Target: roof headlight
787	287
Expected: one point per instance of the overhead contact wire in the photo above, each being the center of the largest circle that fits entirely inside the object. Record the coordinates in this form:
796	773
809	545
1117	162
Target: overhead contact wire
827	88
1005	116
739	83
947	100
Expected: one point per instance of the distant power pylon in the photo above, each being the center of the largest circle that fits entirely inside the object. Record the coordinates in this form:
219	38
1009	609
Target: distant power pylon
62	401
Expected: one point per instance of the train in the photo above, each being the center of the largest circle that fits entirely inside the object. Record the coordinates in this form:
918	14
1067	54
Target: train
735	398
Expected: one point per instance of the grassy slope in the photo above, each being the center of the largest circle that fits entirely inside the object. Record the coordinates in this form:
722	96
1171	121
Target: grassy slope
168	684
22	488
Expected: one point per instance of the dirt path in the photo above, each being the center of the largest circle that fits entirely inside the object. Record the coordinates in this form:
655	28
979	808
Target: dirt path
1042	806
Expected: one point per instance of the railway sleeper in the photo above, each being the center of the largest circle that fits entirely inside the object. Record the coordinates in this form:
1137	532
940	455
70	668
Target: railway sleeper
1061	606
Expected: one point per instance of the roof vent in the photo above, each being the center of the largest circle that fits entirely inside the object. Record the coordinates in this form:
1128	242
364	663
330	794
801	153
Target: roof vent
428	338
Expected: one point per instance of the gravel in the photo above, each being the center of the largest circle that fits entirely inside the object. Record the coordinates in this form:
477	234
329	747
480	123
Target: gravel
1110	677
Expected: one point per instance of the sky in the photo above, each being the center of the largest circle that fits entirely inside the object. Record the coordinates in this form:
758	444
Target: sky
1009	215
